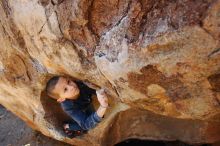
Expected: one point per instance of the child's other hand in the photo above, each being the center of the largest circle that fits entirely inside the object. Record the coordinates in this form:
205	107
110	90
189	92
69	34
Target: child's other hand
61	100
102	98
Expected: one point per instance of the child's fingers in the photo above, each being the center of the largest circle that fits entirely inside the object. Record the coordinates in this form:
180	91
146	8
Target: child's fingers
100	92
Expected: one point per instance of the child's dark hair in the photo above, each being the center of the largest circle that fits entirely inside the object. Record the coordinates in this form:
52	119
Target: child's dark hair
51	85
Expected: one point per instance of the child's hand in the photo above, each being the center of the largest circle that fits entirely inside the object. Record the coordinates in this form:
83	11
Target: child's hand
102	98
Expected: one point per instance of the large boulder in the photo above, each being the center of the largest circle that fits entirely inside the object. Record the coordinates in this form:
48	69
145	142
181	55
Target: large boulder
159	61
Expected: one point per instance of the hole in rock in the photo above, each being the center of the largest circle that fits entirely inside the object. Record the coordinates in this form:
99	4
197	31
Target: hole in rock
138	142
54	113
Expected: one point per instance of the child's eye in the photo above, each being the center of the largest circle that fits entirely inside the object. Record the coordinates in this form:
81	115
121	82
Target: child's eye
65	89
68	82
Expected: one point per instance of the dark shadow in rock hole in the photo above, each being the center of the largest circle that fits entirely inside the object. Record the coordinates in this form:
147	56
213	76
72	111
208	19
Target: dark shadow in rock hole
54	113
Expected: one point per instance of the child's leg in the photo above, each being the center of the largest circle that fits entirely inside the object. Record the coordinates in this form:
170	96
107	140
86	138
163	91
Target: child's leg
72	129
72	126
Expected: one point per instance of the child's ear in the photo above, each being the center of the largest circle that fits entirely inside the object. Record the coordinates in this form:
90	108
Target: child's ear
61	99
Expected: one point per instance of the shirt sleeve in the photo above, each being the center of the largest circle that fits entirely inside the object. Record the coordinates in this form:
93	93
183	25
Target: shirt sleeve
86	122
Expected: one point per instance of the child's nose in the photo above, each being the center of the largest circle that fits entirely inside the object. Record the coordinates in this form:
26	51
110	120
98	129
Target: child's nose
72	87
72	83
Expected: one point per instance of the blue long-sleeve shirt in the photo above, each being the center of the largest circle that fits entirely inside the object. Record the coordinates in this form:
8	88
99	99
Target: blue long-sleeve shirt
75	108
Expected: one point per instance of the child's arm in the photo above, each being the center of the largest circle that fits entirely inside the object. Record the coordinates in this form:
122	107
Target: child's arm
84	121
103	100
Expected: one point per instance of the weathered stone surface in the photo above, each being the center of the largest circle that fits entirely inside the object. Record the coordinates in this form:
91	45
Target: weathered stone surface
158	60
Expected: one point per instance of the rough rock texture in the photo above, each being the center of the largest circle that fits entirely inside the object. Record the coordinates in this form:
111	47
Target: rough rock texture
159	61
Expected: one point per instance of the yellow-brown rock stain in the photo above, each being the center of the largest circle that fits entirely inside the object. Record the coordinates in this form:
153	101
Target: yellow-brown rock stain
175	89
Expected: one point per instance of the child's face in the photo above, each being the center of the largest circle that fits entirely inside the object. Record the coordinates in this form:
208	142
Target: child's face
66	88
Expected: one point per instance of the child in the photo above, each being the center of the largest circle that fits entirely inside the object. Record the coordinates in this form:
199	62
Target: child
75	99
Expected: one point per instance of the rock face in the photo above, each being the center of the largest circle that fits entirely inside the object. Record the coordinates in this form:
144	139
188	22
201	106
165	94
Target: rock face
159	61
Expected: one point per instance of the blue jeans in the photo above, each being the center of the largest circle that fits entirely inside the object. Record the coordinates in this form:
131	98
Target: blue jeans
73	124
81	119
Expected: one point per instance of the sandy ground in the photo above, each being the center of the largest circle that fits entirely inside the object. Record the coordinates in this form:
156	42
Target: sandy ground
14	132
